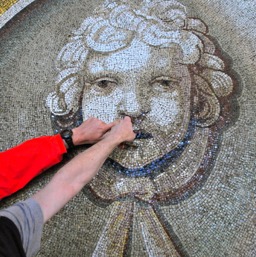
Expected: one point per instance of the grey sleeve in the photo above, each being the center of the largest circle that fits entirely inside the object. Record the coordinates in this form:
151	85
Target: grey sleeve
28	218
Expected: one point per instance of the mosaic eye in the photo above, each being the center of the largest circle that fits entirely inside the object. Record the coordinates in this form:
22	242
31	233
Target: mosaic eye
164	84
105	83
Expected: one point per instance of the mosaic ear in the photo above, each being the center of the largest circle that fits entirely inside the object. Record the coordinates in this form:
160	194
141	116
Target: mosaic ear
206	106
196	24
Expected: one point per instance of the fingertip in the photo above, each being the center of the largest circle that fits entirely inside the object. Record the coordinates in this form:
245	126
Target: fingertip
127	118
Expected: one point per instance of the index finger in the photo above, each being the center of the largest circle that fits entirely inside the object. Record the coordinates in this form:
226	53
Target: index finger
111	124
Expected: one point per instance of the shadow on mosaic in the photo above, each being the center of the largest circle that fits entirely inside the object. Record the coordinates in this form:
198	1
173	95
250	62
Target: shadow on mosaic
173	191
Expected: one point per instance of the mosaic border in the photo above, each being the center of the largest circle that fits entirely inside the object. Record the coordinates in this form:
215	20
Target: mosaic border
13	10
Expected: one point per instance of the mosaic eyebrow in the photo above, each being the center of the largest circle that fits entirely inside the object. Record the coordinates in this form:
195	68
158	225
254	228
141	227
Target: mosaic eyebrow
104	78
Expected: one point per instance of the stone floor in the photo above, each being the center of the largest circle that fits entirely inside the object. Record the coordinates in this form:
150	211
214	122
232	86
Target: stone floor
195	197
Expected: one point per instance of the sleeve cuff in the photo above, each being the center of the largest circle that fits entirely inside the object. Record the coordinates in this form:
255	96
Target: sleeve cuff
28	218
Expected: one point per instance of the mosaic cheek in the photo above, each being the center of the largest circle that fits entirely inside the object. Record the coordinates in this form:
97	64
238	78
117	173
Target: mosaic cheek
101	106
165	110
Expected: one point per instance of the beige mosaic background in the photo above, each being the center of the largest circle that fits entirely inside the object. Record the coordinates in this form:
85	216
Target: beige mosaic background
218	220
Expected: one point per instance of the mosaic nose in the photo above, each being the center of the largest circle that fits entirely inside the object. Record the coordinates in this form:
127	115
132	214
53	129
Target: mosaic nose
130	103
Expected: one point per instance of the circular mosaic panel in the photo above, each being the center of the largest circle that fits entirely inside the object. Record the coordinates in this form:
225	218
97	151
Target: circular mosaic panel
184	187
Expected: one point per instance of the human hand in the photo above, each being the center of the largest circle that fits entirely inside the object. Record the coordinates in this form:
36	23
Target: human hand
90	131
122	131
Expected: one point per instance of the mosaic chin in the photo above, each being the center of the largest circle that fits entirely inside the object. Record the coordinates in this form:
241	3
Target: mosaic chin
150	61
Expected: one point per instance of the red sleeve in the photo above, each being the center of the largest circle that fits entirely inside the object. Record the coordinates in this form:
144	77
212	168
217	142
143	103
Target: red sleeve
22	163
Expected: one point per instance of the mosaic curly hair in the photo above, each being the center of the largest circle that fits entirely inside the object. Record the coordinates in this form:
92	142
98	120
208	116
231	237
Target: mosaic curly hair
157	23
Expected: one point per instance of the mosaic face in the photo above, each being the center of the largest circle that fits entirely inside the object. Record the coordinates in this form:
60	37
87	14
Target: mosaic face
148	84
151	62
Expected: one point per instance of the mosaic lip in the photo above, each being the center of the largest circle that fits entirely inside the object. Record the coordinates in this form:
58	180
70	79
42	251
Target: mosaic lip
142	134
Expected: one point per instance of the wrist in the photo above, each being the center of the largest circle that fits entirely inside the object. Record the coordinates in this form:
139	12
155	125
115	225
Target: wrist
66	136
112	141
75	137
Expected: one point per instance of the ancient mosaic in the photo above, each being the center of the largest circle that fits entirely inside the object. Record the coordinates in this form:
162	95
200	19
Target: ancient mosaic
152	62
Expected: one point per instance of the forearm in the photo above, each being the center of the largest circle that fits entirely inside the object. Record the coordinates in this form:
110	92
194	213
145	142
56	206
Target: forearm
72	178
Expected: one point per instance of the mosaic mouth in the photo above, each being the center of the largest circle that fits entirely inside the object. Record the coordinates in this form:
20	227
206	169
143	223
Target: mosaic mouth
142	134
